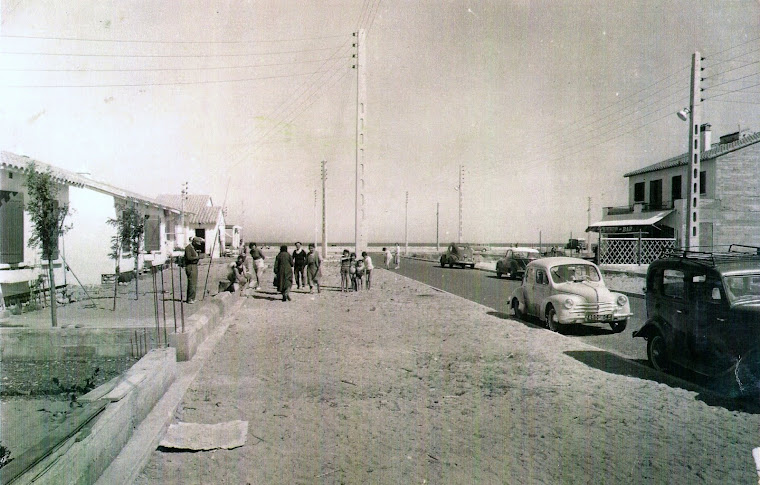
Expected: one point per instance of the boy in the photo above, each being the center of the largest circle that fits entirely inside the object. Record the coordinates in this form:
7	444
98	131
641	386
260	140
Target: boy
345	264
368	267
359	281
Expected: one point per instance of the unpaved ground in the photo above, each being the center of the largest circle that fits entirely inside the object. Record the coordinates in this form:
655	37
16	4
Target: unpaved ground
405	384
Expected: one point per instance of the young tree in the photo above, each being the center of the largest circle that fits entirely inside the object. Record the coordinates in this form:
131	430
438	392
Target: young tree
130	226
47	216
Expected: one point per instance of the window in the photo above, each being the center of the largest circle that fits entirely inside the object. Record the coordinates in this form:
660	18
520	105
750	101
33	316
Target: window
655	193
11	227
541	277
638	192
672	283
702	183
675	188
152	234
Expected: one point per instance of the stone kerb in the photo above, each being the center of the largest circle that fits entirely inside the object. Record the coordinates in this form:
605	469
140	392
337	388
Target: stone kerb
83	457
200	324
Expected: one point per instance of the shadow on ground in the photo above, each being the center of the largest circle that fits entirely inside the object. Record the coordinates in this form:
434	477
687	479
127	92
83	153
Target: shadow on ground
710	392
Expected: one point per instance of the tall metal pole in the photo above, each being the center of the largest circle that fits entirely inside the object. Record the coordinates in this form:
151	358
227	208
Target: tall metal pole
361	102
184	241
461	181
324	210
695	106
437	220
316	220
406	225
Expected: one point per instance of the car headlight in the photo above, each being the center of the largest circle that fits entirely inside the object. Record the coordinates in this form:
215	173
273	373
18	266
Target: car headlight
569	303
622	300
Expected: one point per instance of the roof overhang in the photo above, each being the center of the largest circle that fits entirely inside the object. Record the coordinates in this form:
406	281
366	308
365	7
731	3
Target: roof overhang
628	222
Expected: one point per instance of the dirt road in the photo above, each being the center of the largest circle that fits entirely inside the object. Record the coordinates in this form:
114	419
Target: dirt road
405	384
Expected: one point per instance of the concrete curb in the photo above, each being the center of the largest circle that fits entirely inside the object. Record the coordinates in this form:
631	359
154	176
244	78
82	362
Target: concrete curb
136	454
200	324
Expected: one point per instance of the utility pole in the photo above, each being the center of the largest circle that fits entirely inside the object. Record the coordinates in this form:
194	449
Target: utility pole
185	236
406	225
588	224
361	102
324	210
316	221
461	182
437	220
695	107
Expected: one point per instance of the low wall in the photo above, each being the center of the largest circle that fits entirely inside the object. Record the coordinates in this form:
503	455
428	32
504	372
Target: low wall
200	324
82	458
69	343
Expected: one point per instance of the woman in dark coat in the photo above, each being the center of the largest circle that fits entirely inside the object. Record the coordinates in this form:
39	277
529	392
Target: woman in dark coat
283	271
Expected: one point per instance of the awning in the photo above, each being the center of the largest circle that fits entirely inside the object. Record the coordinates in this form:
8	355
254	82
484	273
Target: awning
625	223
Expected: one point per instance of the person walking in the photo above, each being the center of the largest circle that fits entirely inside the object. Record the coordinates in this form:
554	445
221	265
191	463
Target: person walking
299	266
388	258
257	258
191	267
313	268
398	256
248	264
283	272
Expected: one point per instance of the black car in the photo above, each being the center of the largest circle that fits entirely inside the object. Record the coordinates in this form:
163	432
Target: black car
703	313
458	254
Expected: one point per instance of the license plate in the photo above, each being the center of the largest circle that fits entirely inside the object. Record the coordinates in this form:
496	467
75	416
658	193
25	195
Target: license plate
598	318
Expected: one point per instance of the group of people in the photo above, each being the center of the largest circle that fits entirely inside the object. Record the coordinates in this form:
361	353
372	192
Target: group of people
392	259
354	271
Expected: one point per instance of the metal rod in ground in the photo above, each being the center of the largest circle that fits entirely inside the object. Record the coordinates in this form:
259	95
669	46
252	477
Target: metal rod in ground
174	295
163	303
145	336
131	347
210	262
155	305
181	302
137	346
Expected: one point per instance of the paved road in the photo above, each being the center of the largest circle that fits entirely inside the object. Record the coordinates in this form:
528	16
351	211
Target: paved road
485	288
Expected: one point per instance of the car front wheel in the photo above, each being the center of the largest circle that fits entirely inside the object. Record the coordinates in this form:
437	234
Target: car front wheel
551	320
657	353
619	326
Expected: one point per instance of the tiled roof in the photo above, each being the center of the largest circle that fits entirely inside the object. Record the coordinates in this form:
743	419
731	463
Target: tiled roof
21	162
197	210
714	152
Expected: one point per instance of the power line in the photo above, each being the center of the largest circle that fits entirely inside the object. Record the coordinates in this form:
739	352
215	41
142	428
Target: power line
372	22
729	70
167	55
171	68
732	91
144	41
732	101
731	80
732	48
179	83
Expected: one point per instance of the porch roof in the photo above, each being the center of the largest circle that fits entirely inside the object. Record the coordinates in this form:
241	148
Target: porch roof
621	223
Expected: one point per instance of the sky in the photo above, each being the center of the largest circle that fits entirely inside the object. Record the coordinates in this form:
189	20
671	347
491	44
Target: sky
546	104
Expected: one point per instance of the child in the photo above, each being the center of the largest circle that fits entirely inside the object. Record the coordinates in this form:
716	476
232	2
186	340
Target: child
360	269
313	271
345	263
352	270
388	258
368	267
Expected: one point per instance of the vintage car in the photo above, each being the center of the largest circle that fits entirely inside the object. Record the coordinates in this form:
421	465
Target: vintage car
703	313
562	291
458	254
515	261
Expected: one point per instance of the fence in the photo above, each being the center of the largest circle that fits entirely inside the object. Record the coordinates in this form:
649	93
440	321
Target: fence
632	250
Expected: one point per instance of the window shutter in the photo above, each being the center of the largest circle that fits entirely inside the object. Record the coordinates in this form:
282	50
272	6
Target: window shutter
153	234
11	227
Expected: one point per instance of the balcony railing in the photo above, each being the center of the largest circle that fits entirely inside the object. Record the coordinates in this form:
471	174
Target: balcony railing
637	207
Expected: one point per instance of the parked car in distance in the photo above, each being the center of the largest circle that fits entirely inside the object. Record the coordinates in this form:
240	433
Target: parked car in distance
703	313
515	261
562	291
458	254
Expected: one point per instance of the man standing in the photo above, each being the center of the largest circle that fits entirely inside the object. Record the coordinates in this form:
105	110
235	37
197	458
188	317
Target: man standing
191	267
258	262
398	256
299	265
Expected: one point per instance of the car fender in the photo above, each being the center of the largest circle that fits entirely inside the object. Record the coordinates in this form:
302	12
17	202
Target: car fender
651	327
519	294
558	302
625	309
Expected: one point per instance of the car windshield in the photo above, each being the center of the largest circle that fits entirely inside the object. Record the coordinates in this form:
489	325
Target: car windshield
525	255
743	288
574	272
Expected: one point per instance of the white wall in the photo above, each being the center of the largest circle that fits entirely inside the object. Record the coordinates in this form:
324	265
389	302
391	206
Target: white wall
88	243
